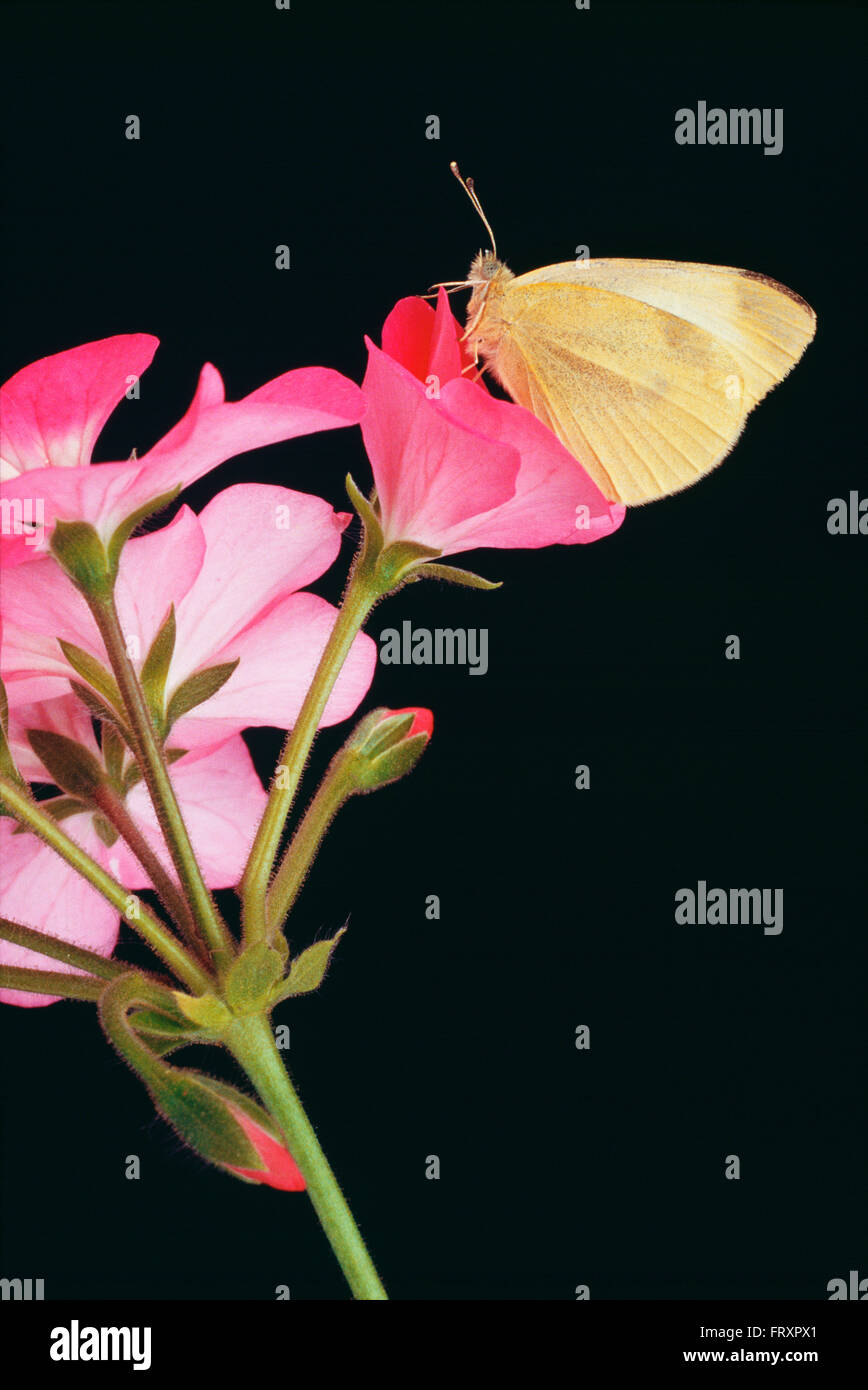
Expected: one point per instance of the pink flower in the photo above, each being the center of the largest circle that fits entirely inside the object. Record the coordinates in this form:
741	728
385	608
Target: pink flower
53	410
233	574
221	799
455	468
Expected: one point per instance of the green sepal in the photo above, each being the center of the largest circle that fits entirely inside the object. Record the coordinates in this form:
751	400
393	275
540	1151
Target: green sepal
280	944
392	764
365	727
94	673
71	766
200	1116
105	830
307	970
163	1025
373	529
386	729
196	689
251	979
77	547
164	1034
163	1046
156	668
58	807
123	532
399	560
7	762
379	752
113	749
450	575
205	1010
98	709
249	1106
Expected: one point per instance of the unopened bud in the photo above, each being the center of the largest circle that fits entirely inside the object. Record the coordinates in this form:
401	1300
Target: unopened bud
388	744
224	1126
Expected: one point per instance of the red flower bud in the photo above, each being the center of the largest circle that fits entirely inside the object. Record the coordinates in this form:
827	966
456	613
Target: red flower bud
223	1125
281	1169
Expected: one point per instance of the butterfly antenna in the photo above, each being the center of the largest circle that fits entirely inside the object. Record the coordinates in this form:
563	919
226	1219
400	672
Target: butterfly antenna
469	189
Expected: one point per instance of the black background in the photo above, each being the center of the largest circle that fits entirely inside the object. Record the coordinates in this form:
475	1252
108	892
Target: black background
456	1037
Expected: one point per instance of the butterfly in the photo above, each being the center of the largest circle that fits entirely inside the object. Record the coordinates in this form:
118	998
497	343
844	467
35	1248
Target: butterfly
645	370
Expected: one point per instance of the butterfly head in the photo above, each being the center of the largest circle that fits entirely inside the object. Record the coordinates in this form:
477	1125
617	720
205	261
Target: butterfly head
486	278
486	266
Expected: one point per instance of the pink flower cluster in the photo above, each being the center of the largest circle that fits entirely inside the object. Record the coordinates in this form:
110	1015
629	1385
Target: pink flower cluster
236	576
455	468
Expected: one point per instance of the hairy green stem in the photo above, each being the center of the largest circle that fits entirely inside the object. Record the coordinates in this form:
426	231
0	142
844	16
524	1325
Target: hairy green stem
129	991
333	791
251	1042
154	932
156	774
360	597
51	982
115	811
55	949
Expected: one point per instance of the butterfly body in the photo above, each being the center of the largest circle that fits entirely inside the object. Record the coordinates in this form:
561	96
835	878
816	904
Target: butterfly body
645	370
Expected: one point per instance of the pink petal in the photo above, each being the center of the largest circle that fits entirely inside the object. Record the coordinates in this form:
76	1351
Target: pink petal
39	889
221	800
53	410
252	559
279	654
426	342
554	501
281	1170
432	471
156	571
552	491
298	402
224	571
103	494
40	604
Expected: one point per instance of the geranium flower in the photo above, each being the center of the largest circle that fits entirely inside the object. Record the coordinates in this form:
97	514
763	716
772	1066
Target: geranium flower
221	799
456	468
52	412
233	574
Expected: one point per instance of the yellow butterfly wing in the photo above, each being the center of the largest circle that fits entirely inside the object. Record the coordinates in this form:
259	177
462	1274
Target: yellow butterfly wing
646	370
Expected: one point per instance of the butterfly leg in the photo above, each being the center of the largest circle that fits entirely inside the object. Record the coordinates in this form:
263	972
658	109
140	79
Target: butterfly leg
475	363
450	286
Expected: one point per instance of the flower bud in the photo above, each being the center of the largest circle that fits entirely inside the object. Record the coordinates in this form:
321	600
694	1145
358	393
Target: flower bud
224	1126
280	1168
388	744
